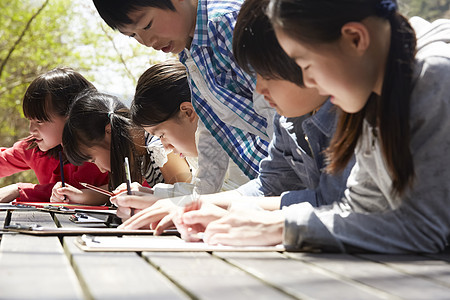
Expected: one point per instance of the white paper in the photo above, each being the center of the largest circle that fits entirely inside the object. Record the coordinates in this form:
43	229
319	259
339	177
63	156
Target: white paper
158	243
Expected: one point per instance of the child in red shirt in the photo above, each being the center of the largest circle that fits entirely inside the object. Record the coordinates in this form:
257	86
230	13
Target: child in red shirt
45	105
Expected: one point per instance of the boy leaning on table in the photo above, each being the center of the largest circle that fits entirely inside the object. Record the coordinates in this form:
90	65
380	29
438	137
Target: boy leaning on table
235	122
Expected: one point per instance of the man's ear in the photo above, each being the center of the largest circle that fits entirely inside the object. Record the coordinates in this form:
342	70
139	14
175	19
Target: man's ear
355	37
108	128
187	110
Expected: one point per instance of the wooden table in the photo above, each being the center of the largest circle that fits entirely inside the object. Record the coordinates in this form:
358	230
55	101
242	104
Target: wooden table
49	267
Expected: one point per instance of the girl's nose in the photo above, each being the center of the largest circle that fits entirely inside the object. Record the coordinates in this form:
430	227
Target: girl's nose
31	128
309	81
260	85
167	146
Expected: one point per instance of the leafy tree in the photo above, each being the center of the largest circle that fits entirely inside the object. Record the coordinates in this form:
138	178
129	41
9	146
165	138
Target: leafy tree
31	44
427	9
39	35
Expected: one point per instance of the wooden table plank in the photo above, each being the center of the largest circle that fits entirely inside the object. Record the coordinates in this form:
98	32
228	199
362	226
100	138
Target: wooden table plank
2	222
35	267
115	275
2	218
435	270
376	275
119	275
33	217
204	276
298	278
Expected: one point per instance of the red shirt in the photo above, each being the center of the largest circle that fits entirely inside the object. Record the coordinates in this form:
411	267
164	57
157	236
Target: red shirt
18	158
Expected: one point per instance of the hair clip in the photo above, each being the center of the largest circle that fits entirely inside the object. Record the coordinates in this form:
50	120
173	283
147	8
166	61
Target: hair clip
386	8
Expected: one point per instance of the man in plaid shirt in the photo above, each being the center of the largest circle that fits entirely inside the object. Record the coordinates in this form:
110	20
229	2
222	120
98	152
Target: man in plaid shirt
235	122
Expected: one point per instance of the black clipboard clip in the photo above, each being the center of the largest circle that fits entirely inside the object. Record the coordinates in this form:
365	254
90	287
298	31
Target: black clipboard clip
56	208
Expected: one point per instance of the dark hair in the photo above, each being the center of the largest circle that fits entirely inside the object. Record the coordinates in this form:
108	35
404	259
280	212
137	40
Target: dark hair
256	48
90	113
320	21
115	12
159	93
52	93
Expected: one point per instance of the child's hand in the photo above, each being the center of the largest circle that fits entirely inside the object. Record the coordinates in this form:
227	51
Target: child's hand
158	217
135	187
246	228
138	201
9	193
66	194
195	217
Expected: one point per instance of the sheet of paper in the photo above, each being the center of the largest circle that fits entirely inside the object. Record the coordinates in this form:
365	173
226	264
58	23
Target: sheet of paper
35	229
157	243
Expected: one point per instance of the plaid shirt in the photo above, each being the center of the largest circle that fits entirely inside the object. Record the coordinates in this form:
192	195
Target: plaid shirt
211	51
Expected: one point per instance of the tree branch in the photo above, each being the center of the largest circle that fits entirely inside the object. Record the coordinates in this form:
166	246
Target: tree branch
122	60
2	66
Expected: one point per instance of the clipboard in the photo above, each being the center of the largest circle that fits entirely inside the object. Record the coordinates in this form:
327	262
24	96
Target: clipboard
110	220
9	206
93	243
83	218
62	207
36	229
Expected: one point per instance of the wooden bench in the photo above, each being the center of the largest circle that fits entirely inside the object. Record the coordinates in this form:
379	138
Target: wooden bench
50	267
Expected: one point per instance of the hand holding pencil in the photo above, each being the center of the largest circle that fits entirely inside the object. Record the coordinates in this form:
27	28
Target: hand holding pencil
60	193
61	168
141	198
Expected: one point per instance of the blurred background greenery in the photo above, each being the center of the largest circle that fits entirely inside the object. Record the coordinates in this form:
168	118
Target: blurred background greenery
39	35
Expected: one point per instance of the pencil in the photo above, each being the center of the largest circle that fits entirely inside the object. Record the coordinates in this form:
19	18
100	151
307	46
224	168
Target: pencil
128	180
97	189
61	166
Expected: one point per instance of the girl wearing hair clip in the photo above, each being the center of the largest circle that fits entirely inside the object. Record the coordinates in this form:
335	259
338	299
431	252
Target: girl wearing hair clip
99	130
390	78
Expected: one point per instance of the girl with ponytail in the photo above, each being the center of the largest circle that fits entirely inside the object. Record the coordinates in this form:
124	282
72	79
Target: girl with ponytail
99	130
390	78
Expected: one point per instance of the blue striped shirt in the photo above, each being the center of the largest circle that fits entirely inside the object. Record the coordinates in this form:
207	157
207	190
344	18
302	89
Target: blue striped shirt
211	50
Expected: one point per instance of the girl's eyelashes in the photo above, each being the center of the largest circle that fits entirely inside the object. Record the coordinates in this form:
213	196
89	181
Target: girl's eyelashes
148	26
132	35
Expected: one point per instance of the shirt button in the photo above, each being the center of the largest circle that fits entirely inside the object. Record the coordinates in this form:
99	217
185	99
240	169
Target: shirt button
292	162
299	151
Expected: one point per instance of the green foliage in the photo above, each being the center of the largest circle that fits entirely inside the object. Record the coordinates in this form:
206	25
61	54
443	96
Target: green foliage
39	35
31	44
427	9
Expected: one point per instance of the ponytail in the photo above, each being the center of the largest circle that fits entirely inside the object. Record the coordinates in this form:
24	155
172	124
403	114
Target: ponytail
123	145
394	107
88	117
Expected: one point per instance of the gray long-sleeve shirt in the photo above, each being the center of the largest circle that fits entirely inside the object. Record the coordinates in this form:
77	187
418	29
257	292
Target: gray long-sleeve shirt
295	166
369	217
